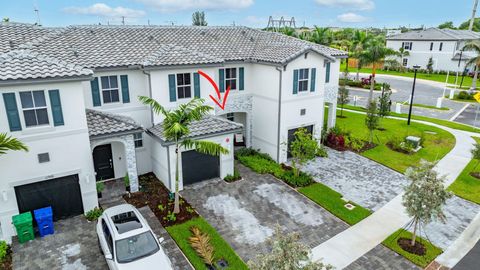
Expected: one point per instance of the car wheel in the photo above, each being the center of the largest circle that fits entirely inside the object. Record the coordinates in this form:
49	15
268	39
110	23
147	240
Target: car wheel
99	246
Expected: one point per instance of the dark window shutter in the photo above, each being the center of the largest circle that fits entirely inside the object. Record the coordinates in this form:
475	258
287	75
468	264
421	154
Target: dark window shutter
241	75
125	91
221	79
196	85
56	107
327	73
295	81
312	82
95	92
12	111
172	87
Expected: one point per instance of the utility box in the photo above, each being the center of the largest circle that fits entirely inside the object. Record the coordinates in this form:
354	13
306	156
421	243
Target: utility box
414	141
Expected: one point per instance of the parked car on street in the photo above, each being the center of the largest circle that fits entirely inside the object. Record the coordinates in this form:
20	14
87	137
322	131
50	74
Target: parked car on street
128	242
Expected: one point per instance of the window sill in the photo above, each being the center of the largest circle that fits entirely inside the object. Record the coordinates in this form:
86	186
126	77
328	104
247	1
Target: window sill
38	129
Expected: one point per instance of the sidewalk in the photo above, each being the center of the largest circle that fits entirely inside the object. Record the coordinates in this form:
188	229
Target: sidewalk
349	245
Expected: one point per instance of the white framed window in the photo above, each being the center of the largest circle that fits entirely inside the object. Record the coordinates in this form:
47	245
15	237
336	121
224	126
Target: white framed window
303	79
405	62
184	85
34	107
231	117
138	140
407	45
110	89
231	78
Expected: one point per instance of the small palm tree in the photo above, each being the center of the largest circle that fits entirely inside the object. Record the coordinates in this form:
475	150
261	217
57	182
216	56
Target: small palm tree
9	143
175	128
402	53
474	46
198	19
375	52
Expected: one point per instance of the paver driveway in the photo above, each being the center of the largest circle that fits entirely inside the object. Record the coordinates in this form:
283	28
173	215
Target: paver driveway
246	212
74	246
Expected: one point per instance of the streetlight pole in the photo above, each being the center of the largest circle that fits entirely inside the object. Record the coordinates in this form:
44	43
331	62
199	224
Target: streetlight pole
416	67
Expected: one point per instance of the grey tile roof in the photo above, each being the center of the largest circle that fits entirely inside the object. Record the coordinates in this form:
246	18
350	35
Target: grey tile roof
208	126
25	64
103	124
436	34
15	34
114	46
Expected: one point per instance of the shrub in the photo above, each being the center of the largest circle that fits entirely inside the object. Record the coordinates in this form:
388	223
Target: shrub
232	178
94	214
322	151
396	144
3	250
464	95
302	180
354	143
100	187
251	152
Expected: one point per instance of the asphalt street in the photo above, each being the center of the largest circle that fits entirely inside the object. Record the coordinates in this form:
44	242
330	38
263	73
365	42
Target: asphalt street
470	261
426	92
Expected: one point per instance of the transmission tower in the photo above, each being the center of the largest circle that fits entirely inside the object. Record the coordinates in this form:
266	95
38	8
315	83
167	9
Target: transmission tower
278	24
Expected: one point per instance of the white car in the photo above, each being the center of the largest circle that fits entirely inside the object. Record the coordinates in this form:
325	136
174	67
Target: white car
128	242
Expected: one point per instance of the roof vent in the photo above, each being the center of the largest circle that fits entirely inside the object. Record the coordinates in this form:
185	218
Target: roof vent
243	32
75	52
252	39
91	31
202	33
150	37
10	42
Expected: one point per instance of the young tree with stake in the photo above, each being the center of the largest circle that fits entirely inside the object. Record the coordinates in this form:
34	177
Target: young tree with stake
425	196
303	149
372	119
343	97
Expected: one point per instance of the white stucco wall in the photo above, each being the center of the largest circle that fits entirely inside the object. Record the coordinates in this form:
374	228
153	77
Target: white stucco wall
68	147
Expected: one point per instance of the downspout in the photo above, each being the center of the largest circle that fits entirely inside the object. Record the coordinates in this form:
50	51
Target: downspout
149	91
279	69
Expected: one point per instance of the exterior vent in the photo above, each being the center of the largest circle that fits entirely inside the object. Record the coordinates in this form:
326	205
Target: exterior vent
43	158
303	111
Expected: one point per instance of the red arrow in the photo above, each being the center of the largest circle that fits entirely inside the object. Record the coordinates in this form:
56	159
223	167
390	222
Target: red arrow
219	95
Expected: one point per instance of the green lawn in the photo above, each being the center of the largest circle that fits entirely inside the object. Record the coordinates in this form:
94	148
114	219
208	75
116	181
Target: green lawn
467	81
331	201
467	186
430	107
422	261
180	233
446	123
435	145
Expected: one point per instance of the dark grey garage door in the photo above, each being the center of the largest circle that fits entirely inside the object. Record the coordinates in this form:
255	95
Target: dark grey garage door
291	137
197	167
62	194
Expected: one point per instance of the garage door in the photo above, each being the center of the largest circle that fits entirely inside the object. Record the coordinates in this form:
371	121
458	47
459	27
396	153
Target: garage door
291	137
197	167
62	194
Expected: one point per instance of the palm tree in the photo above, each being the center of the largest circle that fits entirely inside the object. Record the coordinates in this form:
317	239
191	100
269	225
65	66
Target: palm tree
321	35
9	143
289	31
198	19
374	52
402	53
474	45
359	41
175	128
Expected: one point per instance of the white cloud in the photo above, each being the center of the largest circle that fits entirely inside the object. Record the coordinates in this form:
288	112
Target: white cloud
351	18
103	10
177	5
351	4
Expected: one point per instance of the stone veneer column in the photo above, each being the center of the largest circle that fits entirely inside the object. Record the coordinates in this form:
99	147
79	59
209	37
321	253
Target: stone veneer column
240	103
131	159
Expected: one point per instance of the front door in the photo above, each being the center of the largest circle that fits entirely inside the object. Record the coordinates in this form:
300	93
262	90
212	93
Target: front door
103	162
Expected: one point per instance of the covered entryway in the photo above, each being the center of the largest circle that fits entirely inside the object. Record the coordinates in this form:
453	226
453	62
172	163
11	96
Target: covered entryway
103	162
291	137
197	167
62	194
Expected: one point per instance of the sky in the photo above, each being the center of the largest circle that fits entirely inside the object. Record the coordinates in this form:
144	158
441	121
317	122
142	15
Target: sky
253	13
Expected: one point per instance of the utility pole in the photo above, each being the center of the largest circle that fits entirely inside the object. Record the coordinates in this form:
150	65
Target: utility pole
123	20
474	12
37	12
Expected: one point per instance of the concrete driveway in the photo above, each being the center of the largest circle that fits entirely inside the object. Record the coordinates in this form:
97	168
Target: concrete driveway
246	212
73	247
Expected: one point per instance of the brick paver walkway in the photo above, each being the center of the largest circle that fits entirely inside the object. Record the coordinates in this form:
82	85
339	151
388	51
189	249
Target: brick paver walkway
246	212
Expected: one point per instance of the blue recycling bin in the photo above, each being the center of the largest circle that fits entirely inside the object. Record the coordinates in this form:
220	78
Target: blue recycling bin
44	218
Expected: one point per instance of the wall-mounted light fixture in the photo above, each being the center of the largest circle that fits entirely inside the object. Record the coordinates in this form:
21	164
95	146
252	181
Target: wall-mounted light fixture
4	195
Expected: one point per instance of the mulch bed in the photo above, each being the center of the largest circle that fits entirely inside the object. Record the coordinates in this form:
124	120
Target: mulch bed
153	193
475	174
417	249
366	146
6	263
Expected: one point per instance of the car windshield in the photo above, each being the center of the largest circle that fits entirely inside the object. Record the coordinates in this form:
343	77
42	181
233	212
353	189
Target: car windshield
136	247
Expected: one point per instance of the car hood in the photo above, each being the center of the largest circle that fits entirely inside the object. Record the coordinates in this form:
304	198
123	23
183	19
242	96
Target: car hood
156	261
